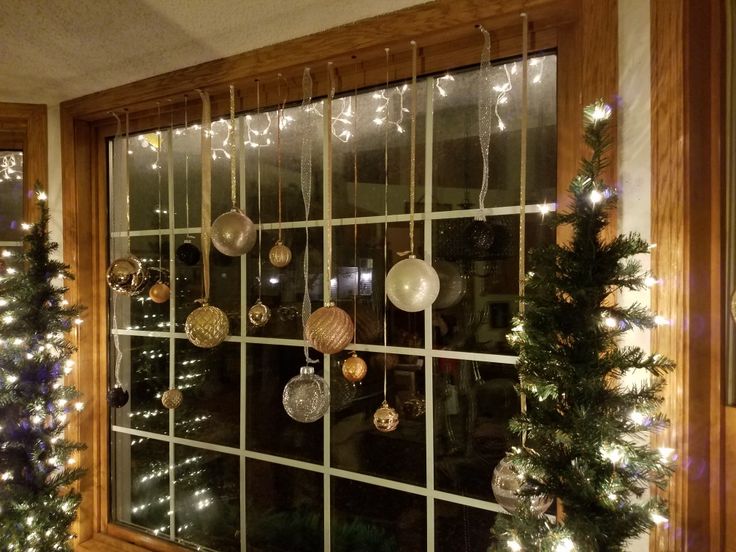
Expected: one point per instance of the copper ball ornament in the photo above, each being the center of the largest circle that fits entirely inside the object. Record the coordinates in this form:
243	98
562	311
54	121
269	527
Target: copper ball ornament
159	292
279	255
386	419
188	253
354	368
259	314
306	397
126	275
206	326
329	329
506	484
117	397
233	233
172	398
412	285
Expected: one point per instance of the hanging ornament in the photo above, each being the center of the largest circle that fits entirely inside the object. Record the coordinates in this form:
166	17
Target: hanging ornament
259	314
206	326
159	292
306	397
453	285
507	484
126	275
117	397
354	368
187	252
329	329
479	239
386	419
412	285
172	398
279	255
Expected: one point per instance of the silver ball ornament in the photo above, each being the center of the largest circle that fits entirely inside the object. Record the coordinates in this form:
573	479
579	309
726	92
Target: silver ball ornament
506	484
206	326
126	275
412	285
259	314
306	397
233	233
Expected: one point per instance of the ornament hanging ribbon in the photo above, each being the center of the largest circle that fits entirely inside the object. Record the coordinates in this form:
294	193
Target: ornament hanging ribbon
485	100
327	119
385	246
119	163
206	141
306	186
413	149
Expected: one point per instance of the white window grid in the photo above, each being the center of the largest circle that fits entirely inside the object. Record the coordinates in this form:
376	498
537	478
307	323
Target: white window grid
428	353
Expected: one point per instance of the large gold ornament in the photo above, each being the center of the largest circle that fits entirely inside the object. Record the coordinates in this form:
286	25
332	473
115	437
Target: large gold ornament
259	314
386	419
507	483
280	255
126	275
172	398
233	233
354	368
206	326
412	285
329	329
159	292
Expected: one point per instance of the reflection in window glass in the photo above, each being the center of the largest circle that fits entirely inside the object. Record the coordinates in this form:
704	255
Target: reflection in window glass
245	476
11	195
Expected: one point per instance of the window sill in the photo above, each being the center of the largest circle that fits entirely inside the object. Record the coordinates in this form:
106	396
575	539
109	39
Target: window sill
121	539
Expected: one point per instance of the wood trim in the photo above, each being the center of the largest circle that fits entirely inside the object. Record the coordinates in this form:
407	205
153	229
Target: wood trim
686	192
445	32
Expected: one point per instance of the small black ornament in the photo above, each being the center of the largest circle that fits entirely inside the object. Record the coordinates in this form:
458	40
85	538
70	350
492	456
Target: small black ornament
117	397
188	253
479	237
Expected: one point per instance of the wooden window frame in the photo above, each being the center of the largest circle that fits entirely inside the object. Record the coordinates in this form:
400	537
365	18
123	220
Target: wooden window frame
584	33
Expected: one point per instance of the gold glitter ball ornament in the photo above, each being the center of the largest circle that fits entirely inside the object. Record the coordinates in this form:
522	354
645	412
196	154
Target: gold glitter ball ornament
280	255
507	483
329	329
306	397
354	368
172	398
159	292
126	275
206	326
386	419
259	314
233	233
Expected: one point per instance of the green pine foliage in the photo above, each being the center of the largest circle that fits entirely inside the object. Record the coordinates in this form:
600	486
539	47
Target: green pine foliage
37	464
588	432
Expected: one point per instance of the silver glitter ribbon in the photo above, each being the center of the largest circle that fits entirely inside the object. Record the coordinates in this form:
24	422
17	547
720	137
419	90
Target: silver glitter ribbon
485	101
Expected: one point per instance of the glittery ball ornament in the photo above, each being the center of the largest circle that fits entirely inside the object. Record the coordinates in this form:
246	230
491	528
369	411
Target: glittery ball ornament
117	397
452	285
478	240
280	255
159	292
386	419
412	285
306	397
188	253
233	233
329	329
259	314
354	368
172	398
506	484
126	275
206	326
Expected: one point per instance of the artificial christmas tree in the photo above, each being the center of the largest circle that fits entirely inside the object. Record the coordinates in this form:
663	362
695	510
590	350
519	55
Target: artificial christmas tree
37	464
585	431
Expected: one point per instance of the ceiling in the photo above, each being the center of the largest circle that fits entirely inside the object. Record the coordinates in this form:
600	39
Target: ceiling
55	50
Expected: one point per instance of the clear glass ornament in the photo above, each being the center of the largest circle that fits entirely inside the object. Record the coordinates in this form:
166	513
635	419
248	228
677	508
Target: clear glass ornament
412	285
306	397
506	484
233	233
126	275
206	326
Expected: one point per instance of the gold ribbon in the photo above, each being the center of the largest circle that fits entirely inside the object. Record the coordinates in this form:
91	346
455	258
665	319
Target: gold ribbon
206	141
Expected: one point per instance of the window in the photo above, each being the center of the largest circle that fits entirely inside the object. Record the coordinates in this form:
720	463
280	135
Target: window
228	470
12	189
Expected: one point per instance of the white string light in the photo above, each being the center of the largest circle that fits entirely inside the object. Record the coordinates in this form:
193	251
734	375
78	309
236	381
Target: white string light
11	166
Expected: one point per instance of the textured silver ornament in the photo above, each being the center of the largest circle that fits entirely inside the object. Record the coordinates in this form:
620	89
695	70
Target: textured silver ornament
259	314
126	275
385	418
306	397
233	233
506	484
412	285
172	398
206	326
279	255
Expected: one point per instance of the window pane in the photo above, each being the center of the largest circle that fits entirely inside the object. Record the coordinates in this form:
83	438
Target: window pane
284	508
144	182
11	192
473	402
461	528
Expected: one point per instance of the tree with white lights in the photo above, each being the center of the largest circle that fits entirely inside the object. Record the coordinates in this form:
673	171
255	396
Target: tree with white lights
587	429
37	464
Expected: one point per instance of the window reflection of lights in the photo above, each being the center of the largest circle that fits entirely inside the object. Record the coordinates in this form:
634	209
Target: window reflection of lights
383	115
258	137
441	82
343	113
11	166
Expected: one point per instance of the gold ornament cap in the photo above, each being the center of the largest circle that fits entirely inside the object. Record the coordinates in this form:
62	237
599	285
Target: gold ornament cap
386	419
